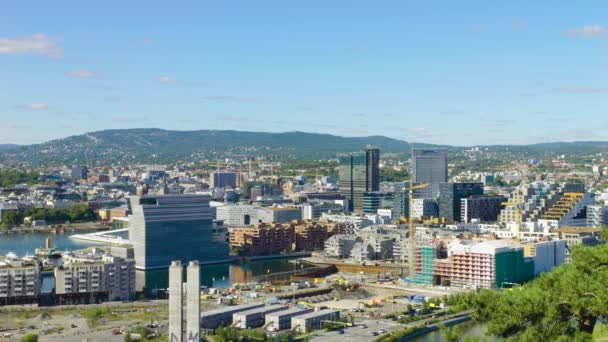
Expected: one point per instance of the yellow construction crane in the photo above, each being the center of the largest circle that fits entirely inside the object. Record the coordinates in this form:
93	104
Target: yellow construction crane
517	218
412	249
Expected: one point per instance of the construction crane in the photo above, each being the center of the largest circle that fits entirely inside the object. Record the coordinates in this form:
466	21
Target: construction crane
412	249
517	218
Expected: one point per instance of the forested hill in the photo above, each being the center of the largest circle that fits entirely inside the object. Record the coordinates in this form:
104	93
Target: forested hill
160	146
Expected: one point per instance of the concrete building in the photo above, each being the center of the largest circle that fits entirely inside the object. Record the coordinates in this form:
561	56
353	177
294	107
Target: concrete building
481	208
254	318
546	254
80	172
281	320
424	208
220	317
222	179
19	281
313	320
340	246
450	196
276	214
184	295
597	216
359	173
86	280
180	227
314	210
430	165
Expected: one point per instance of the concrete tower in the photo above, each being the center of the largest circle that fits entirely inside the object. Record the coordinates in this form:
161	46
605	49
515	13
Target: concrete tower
176	299
193	301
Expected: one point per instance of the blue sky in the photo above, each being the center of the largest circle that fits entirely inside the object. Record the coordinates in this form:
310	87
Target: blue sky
450	72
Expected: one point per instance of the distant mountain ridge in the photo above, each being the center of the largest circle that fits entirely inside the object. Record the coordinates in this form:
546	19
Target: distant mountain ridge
151	145
4	147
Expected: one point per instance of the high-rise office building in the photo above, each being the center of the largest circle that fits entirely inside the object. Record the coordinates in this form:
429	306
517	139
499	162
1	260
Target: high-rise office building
80	172
359	173
164	228
430	165
450	196
482	208
223	179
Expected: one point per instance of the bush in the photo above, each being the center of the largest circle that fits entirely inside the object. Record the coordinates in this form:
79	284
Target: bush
29	337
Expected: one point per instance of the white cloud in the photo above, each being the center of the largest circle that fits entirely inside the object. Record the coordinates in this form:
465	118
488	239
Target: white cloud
35	44
590	31
166	79
35	106
81	74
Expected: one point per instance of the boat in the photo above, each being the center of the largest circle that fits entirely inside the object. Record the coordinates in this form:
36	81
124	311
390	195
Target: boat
47	253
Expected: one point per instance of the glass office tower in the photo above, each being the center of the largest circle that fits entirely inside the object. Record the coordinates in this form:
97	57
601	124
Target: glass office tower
430	165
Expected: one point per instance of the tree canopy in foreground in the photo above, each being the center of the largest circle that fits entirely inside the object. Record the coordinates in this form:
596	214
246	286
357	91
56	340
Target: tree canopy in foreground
562	305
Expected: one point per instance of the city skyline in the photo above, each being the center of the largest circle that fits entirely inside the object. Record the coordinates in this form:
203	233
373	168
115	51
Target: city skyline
466	74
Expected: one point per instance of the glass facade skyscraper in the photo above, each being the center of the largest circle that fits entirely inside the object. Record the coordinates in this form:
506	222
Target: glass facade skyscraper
359	173
180	227
450	196
430	165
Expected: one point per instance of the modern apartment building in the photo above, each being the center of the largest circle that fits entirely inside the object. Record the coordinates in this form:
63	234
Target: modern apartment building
597	216
19	281
168	227
89	280
262	239
245	214
430	165
359	173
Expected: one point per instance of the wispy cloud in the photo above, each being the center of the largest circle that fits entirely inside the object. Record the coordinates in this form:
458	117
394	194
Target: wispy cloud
229	98
589	31
38	43
581	90
34	106
81	74
166	80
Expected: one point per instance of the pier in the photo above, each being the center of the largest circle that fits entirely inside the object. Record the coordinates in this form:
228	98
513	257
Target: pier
104	237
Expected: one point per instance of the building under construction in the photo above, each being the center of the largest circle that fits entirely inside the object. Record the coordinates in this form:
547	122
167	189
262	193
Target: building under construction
483	264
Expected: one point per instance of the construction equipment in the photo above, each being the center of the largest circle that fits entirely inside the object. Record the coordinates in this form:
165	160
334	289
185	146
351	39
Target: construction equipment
517	218
412	249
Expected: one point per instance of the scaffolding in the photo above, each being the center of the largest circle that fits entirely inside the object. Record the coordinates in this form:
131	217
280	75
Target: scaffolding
423	270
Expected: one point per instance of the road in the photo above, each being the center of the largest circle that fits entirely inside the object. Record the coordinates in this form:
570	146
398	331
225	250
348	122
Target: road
358	334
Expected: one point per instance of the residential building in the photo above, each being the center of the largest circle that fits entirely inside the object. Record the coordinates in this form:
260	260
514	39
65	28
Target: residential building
359	173
19	281
314	209
430	165
450	196
163	228
87	280
597	216
340	246
482	208
262	239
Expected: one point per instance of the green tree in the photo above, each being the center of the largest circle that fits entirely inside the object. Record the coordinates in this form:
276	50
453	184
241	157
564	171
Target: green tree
453	334
29	337
562	305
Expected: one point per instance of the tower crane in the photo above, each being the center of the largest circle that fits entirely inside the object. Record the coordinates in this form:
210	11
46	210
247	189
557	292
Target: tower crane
412	249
